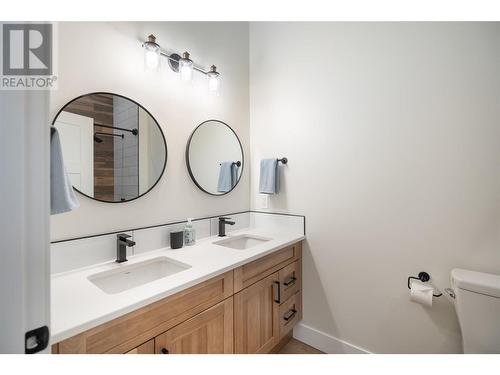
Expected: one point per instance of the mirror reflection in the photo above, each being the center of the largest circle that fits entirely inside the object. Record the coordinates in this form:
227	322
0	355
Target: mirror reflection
214	157
114	150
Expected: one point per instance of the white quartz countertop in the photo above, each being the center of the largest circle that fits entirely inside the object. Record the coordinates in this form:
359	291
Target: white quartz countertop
78	305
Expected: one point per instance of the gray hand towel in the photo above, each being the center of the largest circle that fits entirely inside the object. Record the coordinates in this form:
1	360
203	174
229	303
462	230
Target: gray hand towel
62	196
228	176
269	179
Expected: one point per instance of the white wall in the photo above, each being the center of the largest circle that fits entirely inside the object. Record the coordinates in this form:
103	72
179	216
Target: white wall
108	57
392	132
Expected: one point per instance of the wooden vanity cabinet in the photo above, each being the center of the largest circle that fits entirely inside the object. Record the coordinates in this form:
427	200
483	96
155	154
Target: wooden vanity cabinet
251	309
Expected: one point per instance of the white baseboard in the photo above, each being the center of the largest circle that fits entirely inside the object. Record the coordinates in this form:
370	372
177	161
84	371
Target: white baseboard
325	342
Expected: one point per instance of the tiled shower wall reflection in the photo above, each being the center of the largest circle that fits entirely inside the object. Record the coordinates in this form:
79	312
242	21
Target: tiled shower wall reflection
126	115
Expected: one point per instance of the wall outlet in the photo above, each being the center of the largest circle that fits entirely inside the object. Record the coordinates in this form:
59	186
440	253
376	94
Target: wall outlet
264	201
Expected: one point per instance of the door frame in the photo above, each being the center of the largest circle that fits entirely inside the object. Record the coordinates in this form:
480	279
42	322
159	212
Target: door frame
24	216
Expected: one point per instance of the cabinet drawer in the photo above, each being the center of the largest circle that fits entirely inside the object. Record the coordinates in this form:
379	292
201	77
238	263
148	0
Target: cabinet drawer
290	278
127	332
252	272
147	348
290	312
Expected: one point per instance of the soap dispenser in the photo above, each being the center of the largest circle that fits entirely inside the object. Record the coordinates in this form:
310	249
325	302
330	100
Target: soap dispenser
189	233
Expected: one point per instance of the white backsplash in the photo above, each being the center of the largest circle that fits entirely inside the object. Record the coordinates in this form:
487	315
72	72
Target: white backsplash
69	255
272	222
241	220
78	253
159	237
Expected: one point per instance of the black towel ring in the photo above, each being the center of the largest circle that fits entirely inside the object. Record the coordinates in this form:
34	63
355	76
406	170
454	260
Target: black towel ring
282	160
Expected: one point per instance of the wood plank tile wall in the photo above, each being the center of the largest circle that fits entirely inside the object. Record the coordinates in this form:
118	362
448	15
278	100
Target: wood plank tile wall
100	108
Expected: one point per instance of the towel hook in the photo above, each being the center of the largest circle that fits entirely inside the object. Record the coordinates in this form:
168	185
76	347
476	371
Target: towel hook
282	160
423	277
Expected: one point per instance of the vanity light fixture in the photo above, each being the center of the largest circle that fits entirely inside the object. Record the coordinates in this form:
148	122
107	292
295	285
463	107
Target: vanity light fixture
186	67
179	64
213	80
151	53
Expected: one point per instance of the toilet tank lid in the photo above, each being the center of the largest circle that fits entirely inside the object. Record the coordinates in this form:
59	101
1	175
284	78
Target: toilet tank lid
479	282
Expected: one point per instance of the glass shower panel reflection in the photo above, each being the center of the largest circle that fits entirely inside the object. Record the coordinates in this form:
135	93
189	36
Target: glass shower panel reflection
126	150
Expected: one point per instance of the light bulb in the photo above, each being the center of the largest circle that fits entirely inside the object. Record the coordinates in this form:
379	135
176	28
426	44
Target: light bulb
151	60
151	54
186	67
213	81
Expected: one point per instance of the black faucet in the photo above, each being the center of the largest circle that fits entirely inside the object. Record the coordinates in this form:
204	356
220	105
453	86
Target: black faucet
121	247
222	225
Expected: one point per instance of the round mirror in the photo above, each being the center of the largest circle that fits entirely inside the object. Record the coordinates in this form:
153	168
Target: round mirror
214	157
113	149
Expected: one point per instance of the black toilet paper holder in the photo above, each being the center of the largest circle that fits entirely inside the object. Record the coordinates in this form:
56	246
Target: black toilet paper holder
423	277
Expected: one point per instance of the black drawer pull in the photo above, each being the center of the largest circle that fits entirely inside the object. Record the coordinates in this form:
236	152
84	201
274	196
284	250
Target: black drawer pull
164	351
289	314
277	292
290	281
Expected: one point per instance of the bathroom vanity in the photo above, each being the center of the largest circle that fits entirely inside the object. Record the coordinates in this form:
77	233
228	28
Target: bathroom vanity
239	294
226	294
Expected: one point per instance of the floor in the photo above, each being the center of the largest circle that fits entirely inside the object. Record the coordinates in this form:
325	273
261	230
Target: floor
298	347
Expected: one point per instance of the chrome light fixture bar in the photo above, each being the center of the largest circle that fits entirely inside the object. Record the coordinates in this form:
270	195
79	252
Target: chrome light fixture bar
179	64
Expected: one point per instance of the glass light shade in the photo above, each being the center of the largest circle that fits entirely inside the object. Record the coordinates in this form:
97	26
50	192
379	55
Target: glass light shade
151	56
213	82
186	69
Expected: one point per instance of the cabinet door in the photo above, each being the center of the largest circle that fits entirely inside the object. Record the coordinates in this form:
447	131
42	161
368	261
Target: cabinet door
256	322
147	348
210	332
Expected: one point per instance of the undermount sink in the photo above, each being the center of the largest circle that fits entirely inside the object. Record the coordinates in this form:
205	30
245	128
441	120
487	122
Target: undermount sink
130	276
242	242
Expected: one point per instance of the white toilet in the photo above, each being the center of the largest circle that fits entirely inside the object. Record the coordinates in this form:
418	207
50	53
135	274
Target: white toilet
477	302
